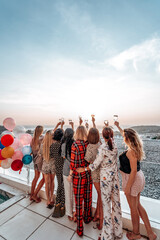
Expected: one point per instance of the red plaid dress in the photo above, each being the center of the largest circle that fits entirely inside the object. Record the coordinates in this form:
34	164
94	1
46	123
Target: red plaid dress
82	184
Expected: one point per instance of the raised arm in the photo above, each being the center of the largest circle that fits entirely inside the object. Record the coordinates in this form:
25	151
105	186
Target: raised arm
58	124
119	128
72	125
93	122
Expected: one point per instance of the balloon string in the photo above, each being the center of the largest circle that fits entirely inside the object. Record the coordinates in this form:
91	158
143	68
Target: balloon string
20	171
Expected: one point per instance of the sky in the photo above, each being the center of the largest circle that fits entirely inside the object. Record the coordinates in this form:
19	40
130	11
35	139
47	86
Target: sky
65	58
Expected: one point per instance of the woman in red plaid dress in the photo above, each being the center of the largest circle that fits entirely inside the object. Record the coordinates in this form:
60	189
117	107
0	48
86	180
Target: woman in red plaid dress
82	182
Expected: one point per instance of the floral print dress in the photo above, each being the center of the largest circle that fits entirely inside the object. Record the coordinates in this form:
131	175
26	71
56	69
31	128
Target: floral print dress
109	181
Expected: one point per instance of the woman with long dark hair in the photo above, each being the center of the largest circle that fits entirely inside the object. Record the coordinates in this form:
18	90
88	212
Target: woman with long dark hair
109	181
67	142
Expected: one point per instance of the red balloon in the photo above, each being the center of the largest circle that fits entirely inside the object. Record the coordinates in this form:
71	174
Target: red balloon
7	140
17	165
1	158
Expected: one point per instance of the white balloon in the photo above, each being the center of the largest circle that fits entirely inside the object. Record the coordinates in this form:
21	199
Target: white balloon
6	163
18	130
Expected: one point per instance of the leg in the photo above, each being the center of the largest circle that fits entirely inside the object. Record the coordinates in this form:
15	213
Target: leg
78	187
40	185
68	197
144	216
116	208
106	188
52	176
88	198
133	204
47	188
99	204
34	182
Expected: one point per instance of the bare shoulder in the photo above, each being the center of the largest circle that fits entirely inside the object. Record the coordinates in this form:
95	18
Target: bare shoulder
131	154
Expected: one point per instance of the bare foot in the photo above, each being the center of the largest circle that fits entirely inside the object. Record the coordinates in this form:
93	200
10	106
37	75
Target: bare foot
152	236
133	236
35	199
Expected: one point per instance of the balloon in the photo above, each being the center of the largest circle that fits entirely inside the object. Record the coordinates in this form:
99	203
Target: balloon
1	158
16	165
9	123
17	155
25	139
6	132
1	146
16	144
27	159
7	140
7	163
7	152
19	130
26	150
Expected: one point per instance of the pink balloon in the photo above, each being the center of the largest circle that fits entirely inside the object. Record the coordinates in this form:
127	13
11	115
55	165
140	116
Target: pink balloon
25	139
16	144
17	155
9	123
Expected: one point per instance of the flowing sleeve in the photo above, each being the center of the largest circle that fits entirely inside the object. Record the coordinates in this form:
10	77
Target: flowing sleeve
97	161
73	157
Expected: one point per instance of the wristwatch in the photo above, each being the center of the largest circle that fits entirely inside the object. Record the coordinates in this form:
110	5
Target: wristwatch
86	169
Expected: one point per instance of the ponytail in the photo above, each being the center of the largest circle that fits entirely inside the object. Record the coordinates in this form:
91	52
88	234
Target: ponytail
110	144
108	134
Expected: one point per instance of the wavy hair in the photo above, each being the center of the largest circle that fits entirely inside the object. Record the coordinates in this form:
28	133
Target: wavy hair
37	133
134	142
47	141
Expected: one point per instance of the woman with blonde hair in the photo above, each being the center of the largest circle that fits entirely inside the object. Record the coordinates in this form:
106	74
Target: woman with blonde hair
133	181
82	182
48	168
37	160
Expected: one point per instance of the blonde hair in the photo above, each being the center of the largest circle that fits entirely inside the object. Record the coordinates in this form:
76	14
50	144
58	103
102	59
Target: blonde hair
81	133
47	141
37	133
134	142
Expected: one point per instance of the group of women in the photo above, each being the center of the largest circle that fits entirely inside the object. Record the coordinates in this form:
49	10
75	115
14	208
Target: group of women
80	159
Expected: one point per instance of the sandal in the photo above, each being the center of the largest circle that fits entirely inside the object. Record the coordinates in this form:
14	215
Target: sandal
50	206
133	236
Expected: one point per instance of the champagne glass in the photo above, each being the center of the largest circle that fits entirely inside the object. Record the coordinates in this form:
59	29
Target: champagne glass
106	122
86	121
115	118
92	115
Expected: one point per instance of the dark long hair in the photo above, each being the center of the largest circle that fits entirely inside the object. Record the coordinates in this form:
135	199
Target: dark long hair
68	139
107	133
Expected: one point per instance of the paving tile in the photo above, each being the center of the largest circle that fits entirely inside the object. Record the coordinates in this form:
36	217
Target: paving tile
76	237
65	221
91	231
40	208
21	226
52	231
9	213
25	202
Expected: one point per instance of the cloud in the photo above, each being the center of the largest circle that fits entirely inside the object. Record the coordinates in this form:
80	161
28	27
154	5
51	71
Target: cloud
143	54
79	21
